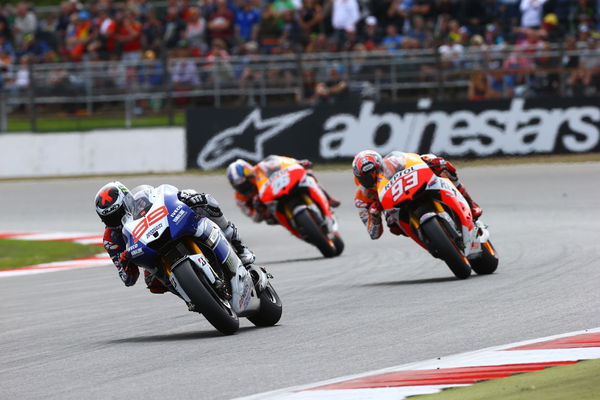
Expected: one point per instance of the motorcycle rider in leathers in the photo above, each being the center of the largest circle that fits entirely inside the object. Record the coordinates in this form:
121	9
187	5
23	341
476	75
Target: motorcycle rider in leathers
366	167
110	207
241	176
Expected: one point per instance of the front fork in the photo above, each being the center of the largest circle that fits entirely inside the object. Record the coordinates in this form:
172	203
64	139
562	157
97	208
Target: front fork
240	290
412	226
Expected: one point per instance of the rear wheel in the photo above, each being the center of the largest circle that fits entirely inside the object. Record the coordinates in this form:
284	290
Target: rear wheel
270	308
214	308
444	247
487	262
305	220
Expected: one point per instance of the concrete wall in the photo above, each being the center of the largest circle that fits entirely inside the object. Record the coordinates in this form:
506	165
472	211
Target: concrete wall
92	153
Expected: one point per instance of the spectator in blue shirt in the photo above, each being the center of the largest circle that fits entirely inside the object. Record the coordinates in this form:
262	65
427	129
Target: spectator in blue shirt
392	40
246	21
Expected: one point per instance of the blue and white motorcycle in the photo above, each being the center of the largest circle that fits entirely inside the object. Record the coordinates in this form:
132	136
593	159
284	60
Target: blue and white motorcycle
190	255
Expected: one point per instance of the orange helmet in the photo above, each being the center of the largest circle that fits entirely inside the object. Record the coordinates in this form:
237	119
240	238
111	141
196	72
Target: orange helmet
366	167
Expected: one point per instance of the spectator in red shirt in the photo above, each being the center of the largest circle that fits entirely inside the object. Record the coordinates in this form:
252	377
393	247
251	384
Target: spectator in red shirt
220	22
129	35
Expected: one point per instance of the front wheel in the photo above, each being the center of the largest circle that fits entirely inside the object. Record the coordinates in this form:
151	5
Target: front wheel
487	262
315	234
339	244
444	247
270	308
215	309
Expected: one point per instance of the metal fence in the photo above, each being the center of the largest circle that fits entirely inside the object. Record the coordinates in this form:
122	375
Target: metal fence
164	86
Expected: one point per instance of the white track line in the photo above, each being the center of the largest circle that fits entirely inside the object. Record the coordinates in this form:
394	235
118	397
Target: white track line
492	356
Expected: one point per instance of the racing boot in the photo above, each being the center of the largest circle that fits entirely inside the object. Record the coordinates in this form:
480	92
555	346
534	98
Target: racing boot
391	220
476	211
333	202
153	284
246	256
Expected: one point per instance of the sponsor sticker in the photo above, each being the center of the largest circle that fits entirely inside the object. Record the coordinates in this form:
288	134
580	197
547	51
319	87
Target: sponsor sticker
153	230
174	213
179	216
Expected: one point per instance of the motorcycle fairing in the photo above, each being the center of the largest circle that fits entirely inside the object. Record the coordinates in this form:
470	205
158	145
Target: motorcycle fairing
183	221
406	174
178	218
450	196
278	176
279	183
401	180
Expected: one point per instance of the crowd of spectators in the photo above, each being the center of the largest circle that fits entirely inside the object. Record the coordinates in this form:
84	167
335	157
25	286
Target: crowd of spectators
214	30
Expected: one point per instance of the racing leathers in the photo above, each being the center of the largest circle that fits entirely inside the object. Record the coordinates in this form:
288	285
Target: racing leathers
370	210
201	203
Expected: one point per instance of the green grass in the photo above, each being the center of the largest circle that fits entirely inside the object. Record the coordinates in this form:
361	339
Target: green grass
21	253
579	381
75	124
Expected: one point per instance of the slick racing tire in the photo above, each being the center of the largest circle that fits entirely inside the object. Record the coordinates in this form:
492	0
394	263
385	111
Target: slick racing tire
487	262
315	234
441	244
270	308
215	309
339	244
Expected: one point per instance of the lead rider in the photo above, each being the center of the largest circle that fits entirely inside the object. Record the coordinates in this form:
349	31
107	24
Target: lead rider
110	207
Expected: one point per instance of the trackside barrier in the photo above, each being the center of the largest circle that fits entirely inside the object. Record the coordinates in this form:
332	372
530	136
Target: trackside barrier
92	153
335	133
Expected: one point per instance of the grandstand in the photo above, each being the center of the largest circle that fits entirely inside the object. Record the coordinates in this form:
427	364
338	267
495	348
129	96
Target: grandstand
153	58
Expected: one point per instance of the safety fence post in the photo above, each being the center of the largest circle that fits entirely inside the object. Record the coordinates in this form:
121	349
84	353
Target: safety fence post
31	96
167	86
3	110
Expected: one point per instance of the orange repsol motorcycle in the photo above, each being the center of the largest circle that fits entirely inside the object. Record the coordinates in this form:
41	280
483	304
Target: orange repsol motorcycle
294	198
434	214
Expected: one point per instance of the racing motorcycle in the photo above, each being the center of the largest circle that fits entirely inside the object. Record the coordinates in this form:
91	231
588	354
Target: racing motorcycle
294	198
190	255
431	211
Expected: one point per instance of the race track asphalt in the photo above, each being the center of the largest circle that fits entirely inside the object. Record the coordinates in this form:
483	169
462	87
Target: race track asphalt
82	334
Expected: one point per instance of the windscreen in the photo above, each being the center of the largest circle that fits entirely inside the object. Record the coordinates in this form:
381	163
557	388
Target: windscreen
393	162
137	201
270	165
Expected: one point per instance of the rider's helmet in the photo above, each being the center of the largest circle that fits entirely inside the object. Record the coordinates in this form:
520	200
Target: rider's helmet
241	176
110	205
366	167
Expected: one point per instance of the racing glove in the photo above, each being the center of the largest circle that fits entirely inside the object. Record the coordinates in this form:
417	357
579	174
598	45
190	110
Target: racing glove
260	210
375	209
192	198
204	201
391	220
306	164
374	221
440	165
128	271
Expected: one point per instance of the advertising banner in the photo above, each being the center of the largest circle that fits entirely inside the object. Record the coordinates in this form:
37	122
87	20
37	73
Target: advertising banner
333	133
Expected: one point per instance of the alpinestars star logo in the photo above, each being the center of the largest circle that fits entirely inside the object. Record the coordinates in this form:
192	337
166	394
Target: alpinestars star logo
242	141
